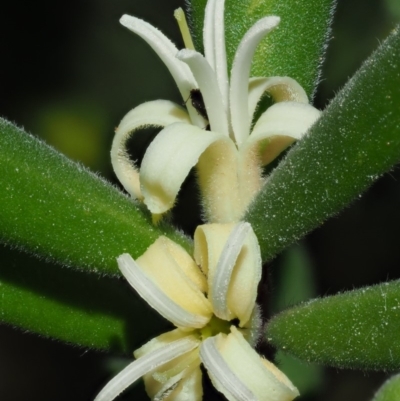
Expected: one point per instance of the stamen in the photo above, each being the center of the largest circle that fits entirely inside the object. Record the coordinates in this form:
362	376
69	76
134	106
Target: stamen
240	118
143	365
223	273
180	17
224	379
157	299
209	88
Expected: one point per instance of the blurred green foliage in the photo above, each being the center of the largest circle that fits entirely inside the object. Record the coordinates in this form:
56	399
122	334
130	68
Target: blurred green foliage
390	391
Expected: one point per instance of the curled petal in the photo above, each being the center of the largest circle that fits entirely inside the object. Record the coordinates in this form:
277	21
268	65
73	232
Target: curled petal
143	365
190	388
167	51
209	87
221	277
209	241
240	374
169	159
221	375
214	45
231	256
185	386
281	89
237	277
186	264
279	126
159	113
179	379
184	383
160	342
159	279
240	76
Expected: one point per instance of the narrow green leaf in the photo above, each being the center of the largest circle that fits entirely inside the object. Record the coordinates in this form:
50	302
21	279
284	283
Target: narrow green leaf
295	49
353	143
390	391
358	329
75	307
56	209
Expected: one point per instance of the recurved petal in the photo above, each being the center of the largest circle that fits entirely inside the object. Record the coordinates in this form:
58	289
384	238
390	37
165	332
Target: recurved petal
185	385
240	76
207	80
281	89
209	241
167	51
159	113
230	255
214	44
190	387
238	372
165	286
278	127
168	161
179	379
147	363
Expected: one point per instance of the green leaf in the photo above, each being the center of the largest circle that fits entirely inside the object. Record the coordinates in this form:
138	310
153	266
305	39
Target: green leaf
71	306
295	49
390	391
358	329
353	143
56	209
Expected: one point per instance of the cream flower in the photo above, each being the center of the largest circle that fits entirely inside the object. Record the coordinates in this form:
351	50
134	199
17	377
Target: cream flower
213	307
230	155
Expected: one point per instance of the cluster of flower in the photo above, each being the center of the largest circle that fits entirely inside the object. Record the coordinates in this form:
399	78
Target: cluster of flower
204	296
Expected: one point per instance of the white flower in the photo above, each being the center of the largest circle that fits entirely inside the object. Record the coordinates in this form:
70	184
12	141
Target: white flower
229	158
203	303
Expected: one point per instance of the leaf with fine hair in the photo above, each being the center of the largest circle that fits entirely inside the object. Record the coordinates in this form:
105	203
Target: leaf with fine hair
78	308
356	139
357	329
58	210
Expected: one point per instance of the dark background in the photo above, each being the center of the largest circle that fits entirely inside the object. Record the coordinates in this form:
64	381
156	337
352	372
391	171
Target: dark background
69	72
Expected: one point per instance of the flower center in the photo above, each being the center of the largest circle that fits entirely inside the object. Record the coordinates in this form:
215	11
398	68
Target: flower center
214	327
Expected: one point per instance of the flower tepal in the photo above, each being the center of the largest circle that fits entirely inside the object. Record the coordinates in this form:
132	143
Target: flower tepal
221	138
211	301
